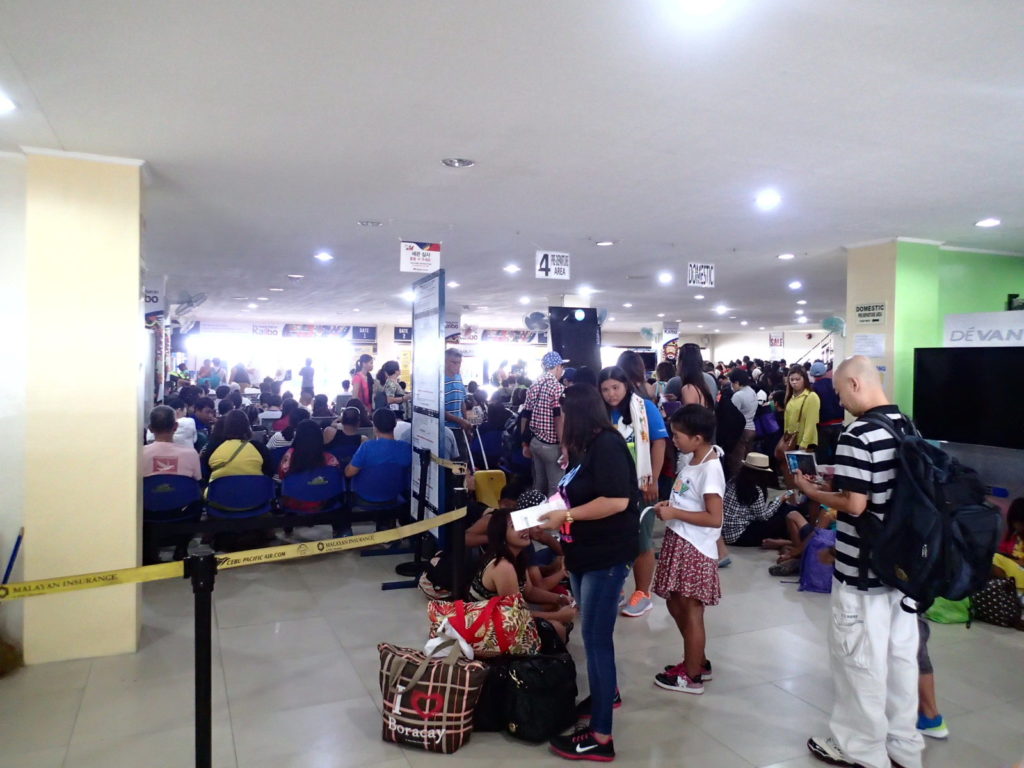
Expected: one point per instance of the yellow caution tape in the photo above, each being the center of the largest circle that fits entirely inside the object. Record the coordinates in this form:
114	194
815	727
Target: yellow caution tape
176	570
157	572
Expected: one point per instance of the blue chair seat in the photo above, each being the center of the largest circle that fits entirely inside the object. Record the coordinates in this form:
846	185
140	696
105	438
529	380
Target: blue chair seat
239	496
324	486
170	499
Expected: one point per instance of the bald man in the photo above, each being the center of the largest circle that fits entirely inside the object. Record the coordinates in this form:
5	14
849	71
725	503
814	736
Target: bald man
872	640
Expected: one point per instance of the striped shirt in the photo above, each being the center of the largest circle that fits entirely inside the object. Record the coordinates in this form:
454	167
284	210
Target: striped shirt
454	398
866	463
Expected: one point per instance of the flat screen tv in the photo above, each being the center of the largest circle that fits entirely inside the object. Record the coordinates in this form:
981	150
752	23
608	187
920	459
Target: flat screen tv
576	336
970	395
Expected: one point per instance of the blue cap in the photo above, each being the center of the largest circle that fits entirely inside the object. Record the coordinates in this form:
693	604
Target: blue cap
818	370
552	360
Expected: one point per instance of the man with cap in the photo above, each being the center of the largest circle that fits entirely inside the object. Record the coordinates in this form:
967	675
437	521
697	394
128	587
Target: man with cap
832	414
541	424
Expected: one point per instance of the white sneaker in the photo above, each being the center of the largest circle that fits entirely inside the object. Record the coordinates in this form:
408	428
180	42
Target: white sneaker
825	749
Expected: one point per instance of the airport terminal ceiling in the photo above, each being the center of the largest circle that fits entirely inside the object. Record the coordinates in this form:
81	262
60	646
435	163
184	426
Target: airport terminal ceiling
273	134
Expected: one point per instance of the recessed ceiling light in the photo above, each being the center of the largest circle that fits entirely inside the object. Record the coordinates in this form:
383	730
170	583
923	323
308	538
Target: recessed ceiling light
240	298
275	290
295	277
661	314
768	199
700	326
452	284
252	305
989	222
627	305
760	328
408	295
323	256
799	311
732	317
721	309
679	319
262	298
743	322
802	319
370	223
524	299
605	243
458	162
355	309
611	319
512	268
664	278
717	330
699	297
6	105
802	302
586	290
796	285
787	256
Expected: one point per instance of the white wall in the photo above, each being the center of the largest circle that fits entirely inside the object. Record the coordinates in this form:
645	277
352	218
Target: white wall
12	383
733	346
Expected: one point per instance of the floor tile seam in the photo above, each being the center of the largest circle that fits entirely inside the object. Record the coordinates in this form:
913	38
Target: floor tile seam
352	663
797	695
78	712
218	653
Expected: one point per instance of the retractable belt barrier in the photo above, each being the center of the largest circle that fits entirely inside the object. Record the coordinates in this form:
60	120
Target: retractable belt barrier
456	467
176	570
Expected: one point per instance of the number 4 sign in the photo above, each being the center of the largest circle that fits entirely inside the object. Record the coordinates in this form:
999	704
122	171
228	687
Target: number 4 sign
552	265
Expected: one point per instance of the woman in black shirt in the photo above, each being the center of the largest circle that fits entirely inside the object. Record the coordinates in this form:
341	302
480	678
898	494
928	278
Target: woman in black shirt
600	540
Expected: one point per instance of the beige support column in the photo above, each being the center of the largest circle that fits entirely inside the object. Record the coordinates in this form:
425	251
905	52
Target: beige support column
84	335
871	279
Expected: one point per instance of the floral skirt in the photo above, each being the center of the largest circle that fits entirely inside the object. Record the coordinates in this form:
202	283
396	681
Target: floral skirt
685	571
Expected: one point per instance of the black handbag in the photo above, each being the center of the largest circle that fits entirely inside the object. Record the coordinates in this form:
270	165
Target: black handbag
997	603
531	697
541	694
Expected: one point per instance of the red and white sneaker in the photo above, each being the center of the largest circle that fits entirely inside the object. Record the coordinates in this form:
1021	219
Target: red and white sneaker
680	682
680	668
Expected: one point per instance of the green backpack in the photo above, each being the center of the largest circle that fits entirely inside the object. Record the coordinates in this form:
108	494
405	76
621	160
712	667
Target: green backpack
945	611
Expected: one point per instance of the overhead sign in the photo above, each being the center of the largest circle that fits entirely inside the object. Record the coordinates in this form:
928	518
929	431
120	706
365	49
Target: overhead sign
700	275
870	314
419	257
776	345
552	265
984	329
403	333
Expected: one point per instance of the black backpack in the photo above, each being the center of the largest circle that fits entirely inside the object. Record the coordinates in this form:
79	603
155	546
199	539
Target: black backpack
939	535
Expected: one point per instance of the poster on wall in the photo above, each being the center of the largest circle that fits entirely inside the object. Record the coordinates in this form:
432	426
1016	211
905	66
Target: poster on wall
776	345
419	257
870	314
869	344
984	329
153	299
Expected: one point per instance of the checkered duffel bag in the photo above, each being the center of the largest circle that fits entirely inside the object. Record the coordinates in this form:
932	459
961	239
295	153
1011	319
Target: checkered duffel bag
428	702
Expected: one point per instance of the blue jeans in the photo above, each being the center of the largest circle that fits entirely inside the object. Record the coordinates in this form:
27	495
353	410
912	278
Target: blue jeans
598	595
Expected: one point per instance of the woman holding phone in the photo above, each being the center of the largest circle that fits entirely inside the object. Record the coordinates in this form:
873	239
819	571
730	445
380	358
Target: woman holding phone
599	539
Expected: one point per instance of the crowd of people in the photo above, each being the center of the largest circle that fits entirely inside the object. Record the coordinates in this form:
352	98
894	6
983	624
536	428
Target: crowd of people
698	446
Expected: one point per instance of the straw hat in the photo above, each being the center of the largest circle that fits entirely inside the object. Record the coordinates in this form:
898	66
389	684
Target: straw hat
757	461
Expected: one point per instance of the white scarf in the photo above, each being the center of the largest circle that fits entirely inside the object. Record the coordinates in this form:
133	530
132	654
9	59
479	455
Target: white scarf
641	438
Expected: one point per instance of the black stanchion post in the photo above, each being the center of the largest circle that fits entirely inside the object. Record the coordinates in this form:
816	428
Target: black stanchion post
457	541
201	567
412	570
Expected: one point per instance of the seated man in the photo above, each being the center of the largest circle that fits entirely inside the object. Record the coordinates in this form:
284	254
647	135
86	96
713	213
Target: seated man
381	467
164	456
186	432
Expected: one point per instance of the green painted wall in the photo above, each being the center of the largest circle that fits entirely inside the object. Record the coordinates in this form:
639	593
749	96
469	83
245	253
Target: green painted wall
932	283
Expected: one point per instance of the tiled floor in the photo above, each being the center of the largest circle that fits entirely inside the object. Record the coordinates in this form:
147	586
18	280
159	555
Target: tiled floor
295	682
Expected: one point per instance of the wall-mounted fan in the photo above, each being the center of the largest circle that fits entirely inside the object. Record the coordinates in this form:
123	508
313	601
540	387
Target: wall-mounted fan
188	304
536	321
834	324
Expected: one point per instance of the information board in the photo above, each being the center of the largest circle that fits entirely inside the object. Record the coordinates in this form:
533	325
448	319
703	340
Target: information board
428	386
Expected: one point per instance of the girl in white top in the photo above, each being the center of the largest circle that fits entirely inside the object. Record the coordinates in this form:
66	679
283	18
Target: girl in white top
687	575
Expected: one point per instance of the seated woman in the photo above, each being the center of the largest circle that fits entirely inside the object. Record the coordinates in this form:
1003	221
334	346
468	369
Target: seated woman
1008	562
307	453
364	414
230	450
504	573
342	438
284	438
320	407
287	406
750	519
